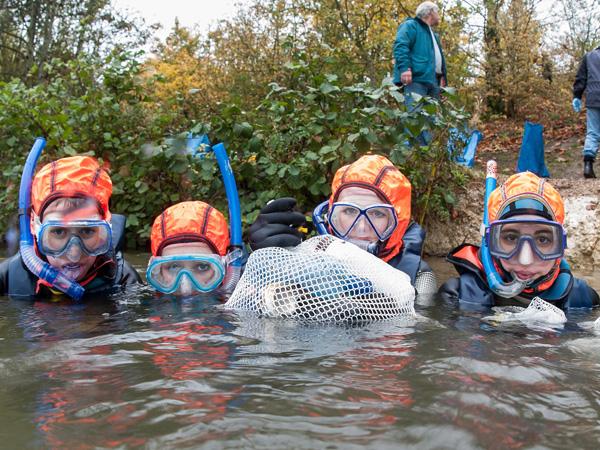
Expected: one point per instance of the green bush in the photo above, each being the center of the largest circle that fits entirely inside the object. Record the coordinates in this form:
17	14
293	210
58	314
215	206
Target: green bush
291	144
301	133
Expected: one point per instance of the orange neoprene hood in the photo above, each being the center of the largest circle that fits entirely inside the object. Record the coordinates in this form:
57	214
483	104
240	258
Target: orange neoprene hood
378	174
190	222
75	176
526	185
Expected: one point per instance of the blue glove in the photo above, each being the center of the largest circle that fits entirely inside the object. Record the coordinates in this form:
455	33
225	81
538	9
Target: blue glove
577	105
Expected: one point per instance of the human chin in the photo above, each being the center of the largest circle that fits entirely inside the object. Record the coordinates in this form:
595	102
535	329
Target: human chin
73	270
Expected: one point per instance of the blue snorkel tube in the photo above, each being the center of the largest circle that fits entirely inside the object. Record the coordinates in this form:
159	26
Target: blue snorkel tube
234	268
318	218
494	280
41	269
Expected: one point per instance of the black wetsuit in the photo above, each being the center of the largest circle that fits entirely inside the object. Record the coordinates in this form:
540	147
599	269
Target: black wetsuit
471	289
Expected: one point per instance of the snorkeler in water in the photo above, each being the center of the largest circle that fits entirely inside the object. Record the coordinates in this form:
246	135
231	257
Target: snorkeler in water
370	206
522	251
70	241
191	252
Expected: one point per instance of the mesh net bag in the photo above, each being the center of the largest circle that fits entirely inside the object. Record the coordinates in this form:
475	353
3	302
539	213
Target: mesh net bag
324	279
538	311
426	283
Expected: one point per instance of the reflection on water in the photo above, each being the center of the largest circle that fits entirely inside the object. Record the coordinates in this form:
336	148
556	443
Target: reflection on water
141	371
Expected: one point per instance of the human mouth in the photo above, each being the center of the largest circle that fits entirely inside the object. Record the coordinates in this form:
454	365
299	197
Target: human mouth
72	271
524	275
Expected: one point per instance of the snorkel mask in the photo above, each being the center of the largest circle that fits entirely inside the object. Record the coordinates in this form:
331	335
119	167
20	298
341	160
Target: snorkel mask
344	217
384	220
506	289
185	274
57	238
525	237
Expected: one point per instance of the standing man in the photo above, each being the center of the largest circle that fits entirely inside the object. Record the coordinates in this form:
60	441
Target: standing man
588	80
419	62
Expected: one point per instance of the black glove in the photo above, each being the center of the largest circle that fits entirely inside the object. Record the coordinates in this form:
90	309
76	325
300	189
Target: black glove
276	225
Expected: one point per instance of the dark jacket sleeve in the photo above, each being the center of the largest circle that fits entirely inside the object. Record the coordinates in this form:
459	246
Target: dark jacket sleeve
450	289
580	79
405	38
582	295
593	295
4	277
129	275
469	291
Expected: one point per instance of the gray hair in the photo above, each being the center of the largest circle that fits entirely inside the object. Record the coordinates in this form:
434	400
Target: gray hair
426	8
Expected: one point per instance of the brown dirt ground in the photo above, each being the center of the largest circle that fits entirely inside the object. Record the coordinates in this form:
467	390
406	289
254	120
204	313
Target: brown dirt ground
562	149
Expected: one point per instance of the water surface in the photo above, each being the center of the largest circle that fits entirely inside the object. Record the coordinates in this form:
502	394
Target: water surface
138	371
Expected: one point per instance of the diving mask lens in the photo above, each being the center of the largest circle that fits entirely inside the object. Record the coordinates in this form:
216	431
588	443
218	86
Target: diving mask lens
167	273
55	238
345	217
507	237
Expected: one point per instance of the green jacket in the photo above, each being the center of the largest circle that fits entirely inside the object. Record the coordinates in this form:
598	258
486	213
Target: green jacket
413	49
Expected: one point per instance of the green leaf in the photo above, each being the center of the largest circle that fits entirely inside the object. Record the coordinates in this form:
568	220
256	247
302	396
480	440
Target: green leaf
255	144
132	220
271	169
328	88
69	151
348	150
372	110
243	129
353	137
180	166
143	188
397	96
450	198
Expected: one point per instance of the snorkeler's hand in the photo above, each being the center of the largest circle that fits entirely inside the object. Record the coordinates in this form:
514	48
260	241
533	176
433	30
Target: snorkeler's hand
276	225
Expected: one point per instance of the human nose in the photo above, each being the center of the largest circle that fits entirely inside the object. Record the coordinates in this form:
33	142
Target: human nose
526	254
73	252
185	288
362	227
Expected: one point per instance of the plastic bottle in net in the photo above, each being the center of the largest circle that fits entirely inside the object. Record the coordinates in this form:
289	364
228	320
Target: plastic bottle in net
324	279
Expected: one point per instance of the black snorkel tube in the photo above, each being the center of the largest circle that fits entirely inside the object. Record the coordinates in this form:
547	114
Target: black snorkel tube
494	280
40	268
